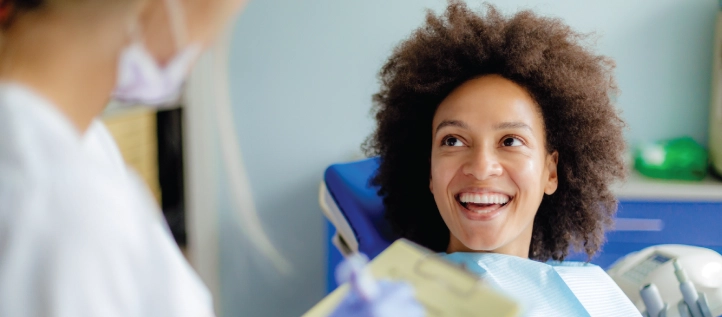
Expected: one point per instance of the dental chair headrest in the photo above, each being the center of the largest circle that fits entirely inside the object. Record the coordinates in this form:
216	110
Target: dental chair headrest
350	186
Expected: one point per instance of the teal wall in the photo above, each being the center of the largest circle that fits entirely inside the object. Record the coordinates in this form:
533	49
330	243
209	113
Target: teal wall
302	76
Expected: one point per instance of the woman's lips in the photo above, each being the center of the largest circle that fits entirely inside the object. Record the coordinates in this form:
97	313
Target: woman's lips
481	211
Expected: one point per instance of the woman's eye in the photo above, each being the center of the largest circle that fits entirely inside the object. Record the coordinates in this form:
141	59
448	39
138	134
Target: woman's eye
512	141
452	141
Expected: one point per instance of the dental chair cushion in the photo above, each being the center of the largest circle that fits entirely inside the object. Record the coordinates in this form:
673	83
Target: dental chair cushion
350	186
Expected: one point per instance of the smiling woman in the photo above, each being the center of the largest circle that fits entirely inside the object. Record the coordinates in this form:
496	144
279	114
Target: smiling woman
498	135
498	142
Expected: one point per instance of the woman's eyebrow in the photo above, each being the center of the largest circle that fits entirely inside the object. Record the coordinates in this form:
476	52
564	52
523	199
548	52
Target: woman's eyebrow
512	125
452	123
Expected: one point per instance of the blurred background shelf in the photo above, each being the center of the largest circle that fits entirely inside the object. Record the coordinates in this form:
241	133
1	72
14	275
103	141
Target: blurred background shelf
134	130
150	139
654	211
639	187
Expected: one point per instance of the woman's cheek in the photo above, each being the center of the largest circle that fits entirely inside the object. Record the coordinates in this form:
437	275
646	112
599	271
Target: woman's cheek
444	169
523	164
525	172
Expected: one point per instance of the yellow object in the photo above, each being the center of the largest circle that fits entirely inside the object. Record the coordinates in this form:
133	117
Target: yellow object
135	132
443	288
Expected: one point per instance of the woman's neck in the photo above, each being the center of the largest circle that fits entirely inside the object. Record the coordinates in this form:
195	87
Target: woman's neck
71	64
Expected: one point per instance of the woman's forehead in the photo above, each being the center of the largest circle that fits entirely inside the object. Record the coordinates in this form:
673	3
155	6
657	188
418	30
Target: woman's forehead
491	101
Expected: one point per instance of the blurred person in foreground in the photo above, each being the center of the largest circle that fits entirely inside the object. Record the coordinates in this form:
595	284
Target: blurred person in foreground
80	234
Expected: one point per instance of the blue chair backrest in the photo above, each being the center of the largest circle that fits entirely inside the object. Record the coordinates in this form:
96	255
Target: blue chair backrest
350	186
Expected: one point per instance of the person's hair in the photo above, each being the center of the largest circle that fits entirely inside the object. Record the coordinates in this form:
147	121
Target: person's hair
9	9
24	4
572	86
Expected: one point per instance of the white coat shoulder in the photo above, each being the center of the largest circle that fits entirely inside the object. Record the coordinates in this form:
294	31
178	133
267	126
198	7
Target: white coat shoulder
79	234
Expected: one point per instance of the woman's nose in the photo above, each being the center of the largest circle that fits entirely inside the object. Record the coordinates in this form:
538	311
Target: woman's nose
482	164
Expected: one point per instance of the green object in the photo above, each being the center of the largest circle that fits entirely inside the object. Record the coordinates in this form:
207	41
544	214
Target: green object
681	158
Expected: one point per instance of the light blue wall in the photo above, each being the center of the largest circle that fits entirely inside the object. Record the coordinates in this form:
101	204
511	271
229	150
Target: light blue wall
302	76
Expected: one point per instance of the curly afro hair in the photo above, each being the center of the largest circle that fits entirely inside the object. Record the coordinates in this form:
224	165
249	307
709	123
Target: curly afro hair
572	86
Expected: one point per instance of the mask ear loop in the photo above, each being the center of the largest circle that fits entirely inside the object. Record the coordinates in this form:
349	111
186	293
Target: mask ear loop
178	27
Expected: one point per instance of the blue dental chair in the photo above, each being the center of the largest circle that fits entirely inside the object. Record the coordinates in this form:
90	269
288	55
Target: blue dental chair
354	213
356	222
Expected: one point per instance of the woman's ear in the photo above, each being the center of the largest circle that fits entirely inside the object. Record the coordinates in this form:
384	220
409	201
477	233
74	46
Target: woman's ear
553	178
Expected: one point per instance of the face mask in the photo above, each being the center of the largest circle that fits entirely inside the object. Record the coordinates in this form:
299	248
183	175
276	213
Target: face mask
142	80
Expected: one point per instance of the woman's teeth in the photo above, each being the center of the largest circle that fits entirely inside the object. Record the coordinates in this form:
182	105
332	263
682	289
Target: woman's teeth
483	199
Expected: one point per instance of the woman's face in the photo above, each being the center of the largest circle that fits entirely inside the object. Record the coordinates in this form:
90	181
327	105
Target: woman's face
489	166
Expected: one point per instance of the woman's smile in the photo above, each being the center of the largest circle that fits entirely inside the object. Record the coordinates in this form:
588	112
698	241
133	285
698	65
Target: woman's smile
481	206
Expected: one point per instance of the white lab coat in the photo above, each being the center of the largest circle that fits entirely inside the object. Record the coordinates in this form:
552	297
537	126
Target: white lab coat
80	235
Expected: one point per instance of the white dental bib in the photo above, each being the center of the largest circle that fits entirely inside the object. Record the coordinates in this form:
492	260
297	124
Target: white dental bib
549	289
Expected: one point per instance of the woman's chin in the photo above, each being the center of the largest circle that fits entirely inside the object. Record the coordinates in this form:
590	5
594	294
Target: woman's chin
481	243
